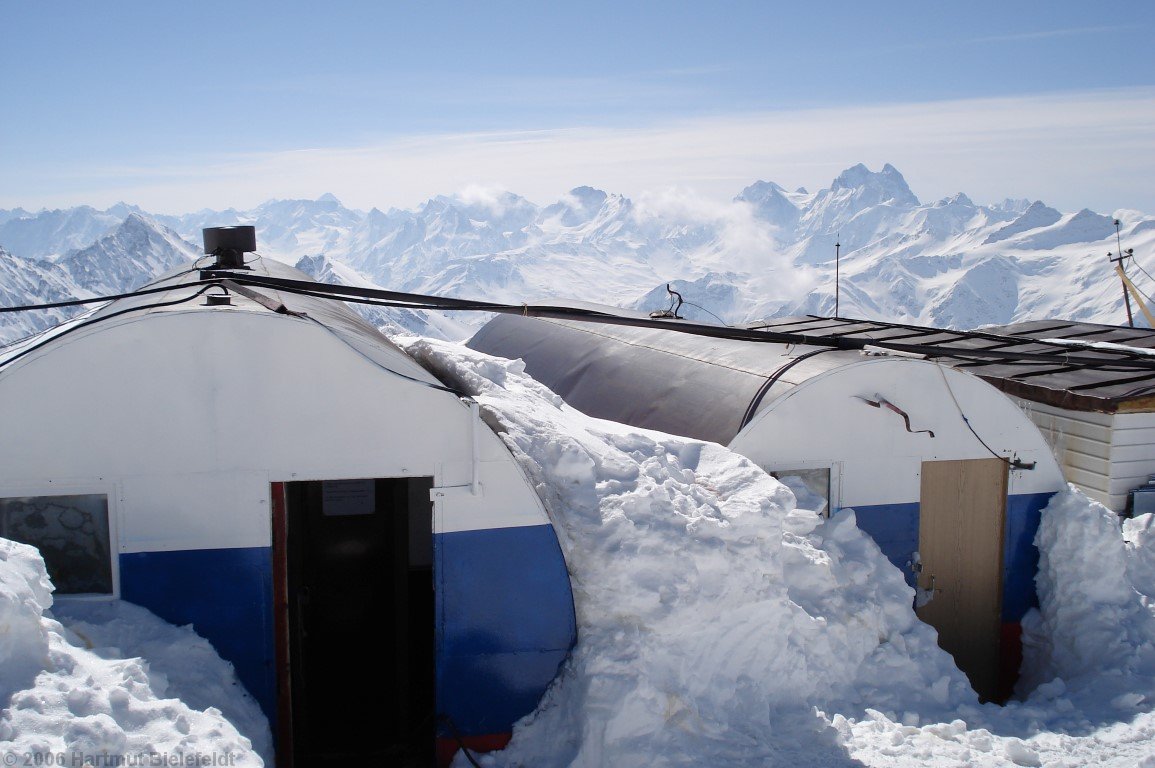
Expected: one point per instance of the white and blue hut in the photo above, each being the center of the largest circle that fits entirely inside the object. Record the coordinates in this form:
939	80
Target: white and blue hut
273	471
942	470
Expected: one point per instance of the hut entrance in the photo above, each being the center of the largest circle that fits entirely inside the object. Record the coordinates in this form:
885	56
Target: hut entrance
963	507
358	630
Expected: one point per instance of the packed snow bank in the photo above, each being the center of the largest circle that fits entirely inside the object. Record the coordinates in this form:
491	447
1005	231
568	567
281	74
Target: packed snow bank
66	705
25	593
1087	669
1092	627
1139	537
718	625
714	617
181	664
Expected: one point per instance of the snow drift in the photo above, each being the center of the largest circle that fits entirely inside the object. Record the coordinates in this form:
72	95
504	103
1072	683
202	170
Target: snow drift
720	625
65	704
1088	682
714	616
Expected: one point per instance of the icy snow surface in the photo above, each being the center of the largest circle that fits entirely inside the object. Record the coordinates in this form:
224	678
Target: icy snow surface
719	625
64	703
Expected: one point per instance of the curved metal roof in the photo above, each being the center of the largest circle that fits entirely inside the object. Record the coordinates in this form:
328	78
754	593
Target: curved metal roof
701	387
334	316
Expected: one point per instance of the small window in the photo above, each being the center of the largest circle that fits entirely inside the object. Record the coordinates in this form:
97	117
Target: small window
72	535
811	487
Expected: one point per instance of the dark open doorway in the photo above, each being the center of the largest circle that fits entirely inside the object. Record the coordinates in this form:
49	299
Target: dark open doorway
359	623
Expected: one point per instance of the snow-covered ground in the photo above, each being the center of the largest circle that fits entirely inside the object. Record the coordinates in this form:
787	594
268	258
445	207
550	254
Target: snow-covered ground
720	625
76	691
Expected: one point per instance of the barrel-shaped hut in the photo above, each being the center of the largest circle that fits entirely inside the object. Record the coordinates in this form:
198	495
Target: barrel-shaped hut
272	470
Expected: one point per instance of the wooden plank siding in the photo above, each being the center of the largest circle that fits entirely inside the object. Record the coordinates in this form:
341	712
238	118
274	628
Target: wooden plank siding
1106	455
1081	442
1132	455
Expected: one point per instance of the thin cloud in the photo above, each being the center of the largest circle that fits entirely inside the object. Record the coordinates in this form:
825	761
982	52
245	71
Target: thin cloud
1014	37
1089	149
1046	34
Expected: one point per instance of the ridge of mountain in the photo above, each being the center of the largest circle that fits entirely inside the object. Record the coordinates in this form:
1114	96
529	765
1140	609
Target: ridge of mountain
124	258
770	252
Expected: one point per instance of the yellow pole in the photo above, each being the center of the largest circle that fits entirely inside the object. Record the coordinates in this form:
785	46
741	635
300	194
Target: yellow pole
1135	292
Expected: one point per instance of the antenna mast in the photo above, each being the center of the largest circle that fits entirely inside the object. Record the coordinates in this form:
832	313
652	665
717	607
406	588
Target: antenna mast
837	248
1122	272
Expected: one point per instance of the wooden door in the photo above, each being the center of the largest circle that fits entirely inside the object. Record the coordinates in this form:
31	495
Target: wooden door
963	507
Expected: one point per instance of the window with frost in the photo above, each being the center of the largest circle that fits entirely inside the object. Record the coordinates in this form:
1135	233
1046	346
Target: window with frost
72	535
811	487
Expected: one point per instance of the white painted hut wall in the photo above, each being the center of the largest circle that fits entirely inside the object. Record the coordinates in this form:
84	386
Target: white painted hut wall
822	421
1105	455
190	415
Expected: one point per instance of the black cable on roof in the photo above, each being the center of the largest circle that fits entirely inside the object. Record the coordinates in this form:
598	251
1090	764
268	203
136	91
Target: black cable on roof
102	318
441	387
771	380
1121	359
98	299
227	285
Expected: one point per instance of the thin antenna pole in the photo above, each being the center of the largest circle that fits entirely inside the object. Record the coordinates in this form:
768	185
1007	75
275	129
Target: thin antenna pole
1122	273
837	249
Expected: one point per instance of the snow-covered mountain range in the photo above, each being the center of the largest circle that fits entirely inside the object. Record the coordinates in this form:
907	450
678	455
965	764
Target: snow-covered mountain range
770	252
48	267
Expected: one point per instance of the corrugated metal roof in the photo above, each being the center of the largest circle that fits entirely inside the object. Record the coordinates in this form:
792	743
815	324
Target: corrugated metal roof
1078	386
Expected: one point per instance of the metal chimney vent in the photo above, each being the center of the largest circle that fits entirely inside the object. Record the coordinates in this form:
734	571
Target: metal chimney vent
229	245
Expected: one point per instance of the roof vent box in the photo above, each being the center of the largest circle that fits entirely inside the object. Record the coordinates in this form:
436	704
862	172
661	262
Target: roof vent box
229	245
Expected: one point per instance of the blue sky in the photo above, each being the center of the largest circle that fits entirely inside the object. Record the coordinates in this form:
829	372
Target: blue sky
176	107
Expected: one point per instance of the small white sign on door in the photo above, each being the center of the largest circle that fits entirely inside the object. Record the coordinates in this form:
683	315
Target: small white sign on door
347	497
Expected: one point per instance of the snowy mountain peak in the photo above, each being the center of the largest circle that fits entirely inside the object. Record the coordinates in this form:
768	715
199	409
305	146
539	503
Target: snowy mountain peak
1036	216
479	207
128	256
960	199
50	234
1012	205
771	203
760	190
124	210
875	188
588	196
577	207
138	221
328	197
123	259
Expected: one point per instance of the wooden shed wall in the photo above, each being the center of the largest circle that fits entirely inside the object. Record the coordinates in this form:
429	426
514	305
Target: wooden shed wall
1104	454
